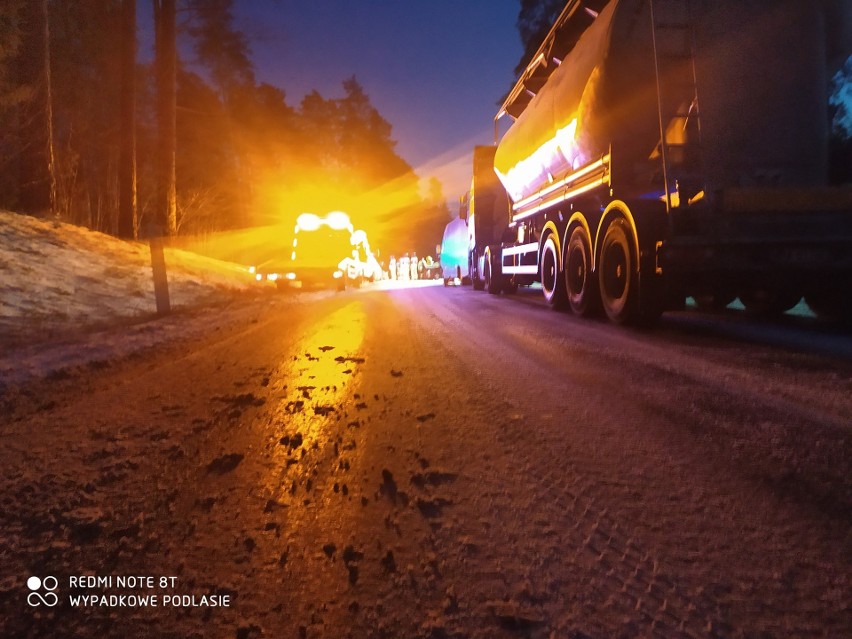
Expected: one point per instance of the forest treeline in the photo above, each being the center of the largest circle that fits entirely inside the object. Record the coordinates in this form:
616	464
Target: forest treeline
78	112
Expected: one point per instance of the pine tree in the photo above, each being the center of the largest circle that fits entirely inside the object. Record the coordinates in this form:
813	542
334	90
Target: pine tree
535	18
36	178
12	95
86	73
127	160
166	64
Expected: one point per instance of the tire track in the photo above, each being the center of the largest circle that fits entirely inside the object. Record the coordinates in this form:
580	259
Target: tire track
632	568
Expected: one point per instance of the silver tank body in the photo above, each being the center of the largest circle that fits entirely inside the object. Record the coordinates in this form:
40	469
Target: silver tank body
762	69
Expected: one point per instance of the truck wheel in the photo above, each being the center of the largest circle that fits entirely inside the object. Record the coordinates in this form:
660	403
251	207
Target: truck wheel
617	274
552	284
580	283
492	282
478	284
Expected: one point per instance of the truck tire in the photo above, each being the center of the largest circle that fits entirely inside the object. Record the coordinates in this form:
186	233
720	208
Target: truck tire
580	283
478	284
617	274
492	281
552	285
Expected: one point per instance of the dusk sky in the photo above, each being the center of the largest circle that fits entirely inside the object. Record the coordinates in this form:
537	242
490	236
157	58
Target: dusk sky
433	68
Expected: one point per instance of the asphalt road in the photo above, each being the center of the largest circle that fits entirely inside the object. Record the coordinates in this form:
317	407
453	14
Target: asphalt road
434	462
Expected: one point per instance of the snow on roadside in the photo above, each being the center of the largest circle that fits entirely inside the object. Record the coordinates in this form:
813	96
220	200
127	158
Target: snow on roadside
58	280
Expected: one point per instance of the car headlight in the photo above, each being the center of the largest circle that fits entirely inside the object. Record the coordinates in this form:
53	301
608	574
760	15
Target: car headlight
272	277
290	276
338	274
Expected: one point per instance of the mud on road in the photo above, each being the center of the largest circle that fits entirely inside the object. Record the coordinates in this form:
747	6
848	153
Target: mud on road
363	465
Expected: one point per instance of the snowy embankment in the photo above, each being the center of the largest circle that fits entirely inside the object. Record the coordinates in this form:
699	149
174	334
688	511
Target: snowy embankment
68	286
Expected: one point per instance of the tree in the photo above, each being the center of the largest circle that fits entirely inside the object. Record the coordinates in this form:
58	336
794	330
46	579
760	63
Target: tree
365	143
218	46
12	95
127	162
535	18
209	147
319	133
11	16
166	65
86	73
223	50
206	184
429	227
37	186
266	153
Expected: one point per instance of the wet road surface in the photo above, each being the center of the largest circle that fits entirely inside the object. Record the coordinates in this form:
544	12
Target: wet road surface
433	462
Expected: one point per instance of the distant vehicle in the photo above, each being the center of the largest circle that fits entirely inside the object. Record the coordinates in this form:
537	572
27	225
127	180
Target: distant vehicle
454	262
326	252
655	153
320	246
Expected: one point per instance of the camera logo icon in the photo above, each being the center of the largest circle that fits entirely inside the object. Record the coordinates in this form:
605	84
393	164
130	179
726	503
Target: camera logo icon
36	598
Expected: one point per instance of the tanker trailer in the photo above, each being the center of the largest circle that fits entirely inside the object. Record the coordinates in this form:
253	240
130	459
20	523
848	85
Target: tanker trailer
660	149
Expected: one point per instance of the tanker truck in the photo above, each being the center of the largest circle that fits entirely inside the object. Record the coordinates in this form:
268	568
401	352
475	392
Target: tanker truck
663	149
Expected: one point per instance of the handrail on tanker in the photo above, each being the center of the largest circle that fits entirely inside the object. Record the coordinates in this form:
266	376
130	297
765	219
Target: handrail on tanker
542	57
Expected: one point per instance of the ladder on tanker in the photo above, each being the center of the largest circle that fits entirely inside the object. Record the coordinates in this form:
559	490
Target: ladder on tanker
677	100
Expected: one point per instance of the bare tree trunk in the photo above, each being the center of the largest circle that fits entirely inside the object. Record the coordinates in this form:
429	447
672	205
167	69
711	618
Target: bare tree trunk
127	226
166	62
37	183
